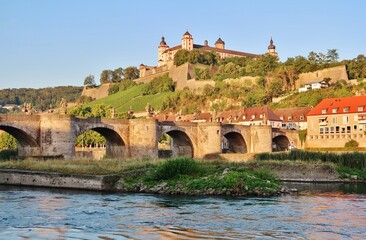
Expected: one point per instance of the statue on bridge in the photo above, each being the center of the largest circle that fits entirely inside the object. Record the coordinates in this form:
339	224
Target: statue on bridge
150	110
113	113
63	106
27	108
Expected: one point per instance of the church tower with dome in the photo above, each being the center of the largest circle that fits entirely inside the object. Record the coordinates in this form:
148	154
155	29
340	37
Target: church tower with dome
272	48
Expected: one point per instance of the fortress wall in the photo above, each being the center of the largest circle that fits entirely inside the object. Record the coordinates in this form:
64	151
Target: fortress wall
335	73
96	93
147	79
199	84
179	75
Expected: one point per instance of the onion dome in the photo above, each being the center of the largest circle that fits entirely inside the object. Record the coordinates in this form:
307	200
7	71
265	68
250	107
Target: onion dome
271	46
162	41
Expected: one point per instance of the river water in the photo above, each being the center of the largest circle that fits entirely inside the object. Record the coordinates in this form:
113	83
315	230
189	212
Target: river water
318	212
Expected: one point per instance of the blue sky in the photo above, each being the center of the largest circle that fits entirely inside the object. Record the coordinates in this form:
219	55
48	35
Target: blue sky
46	43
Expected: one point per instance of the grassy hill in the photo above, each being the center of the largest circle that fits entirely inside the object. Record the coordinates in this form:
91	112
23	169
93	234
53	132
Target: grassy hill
131	98
313	97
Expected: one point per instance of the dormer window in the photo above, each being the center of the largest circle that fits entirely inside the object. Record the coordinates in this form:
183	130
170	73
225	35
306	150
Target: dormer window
360	108
253	116
346	109
281	117
261	116
324	111
302	118
289	118
334	110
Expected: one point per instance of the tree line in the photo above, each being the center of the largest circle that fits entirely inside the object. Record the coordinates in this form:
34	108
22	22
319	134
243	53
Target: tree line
41	99
113	76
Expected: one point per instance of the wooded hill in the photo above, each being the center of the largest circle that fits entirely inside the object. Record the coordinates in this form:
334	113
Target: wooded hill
41	99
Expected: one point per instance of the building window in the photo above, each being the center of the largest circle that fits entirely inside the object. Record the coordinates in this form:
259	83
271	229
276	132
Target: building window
302	118
360	128
281	117
331	129
343	130
261	116
334	120
345	119
348	129
360	108
334	110
253	116
324	111
289	118
326	130
354	127
337	129
321	130
346	109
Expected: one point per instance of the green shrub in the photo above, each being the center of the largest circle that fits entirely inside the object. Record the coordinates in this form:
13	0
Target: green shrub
6	154
113	89
175	167
351	144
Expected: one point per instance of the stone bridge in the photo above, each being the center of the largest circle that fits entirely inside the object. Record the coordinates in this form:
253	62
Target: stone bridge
52	135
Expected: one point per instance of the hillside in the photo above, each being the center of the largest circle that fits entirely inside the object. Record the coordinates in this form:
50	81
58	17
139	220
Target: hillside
41	99
131	98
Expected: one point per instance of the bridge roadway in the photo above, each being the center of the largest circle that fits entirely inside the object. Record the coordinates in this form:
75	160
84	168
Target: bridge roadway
54	135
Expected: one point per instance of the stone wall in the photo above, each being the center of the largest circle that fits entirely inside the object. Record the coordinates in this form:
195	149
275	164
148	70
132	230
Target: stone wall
47	179
335	73
97	92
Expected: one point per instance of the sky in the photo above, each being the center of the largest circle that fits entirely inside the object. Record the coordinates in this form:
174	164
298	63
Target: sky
45	43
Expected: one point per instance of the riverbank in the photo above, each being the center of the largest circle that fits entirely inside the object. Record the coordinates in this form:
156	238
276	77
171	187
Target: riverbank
179	176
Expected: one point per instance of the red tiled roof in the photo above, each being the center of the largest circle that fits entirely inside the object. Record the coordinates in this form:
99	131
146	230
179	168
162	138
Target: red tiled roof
294	113
352	103
257	112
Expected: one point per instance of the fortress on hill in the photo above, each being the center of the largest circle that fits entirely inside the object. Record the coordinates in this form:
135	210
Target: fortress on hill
166	54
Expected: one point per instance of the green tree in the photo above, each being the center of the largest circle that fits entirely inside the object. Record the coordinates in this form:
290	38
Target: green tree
89	81
131	73
180	57
117	75
332	55
7	142
106	76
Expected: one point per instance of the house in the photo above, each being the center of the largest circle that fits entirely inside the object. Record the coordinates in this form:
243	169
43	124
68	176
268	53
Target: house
314	85
335	121
293	118
259	116
250	116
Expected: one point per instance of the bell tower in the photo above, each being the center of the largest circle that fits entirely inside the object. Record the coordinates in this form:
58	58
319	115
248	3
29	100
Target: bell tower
161	49
272	48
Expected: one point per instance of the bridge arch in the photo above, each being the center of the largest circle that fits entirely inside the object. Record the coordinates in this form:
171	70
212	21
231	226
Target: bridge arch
115	143
181	143
280	143
24	139
234	142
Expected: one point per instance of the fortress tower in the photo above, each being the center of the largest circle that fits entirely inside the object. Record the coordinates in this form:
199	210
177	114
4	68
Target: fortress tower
162	47
220	44
187	41
272	48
